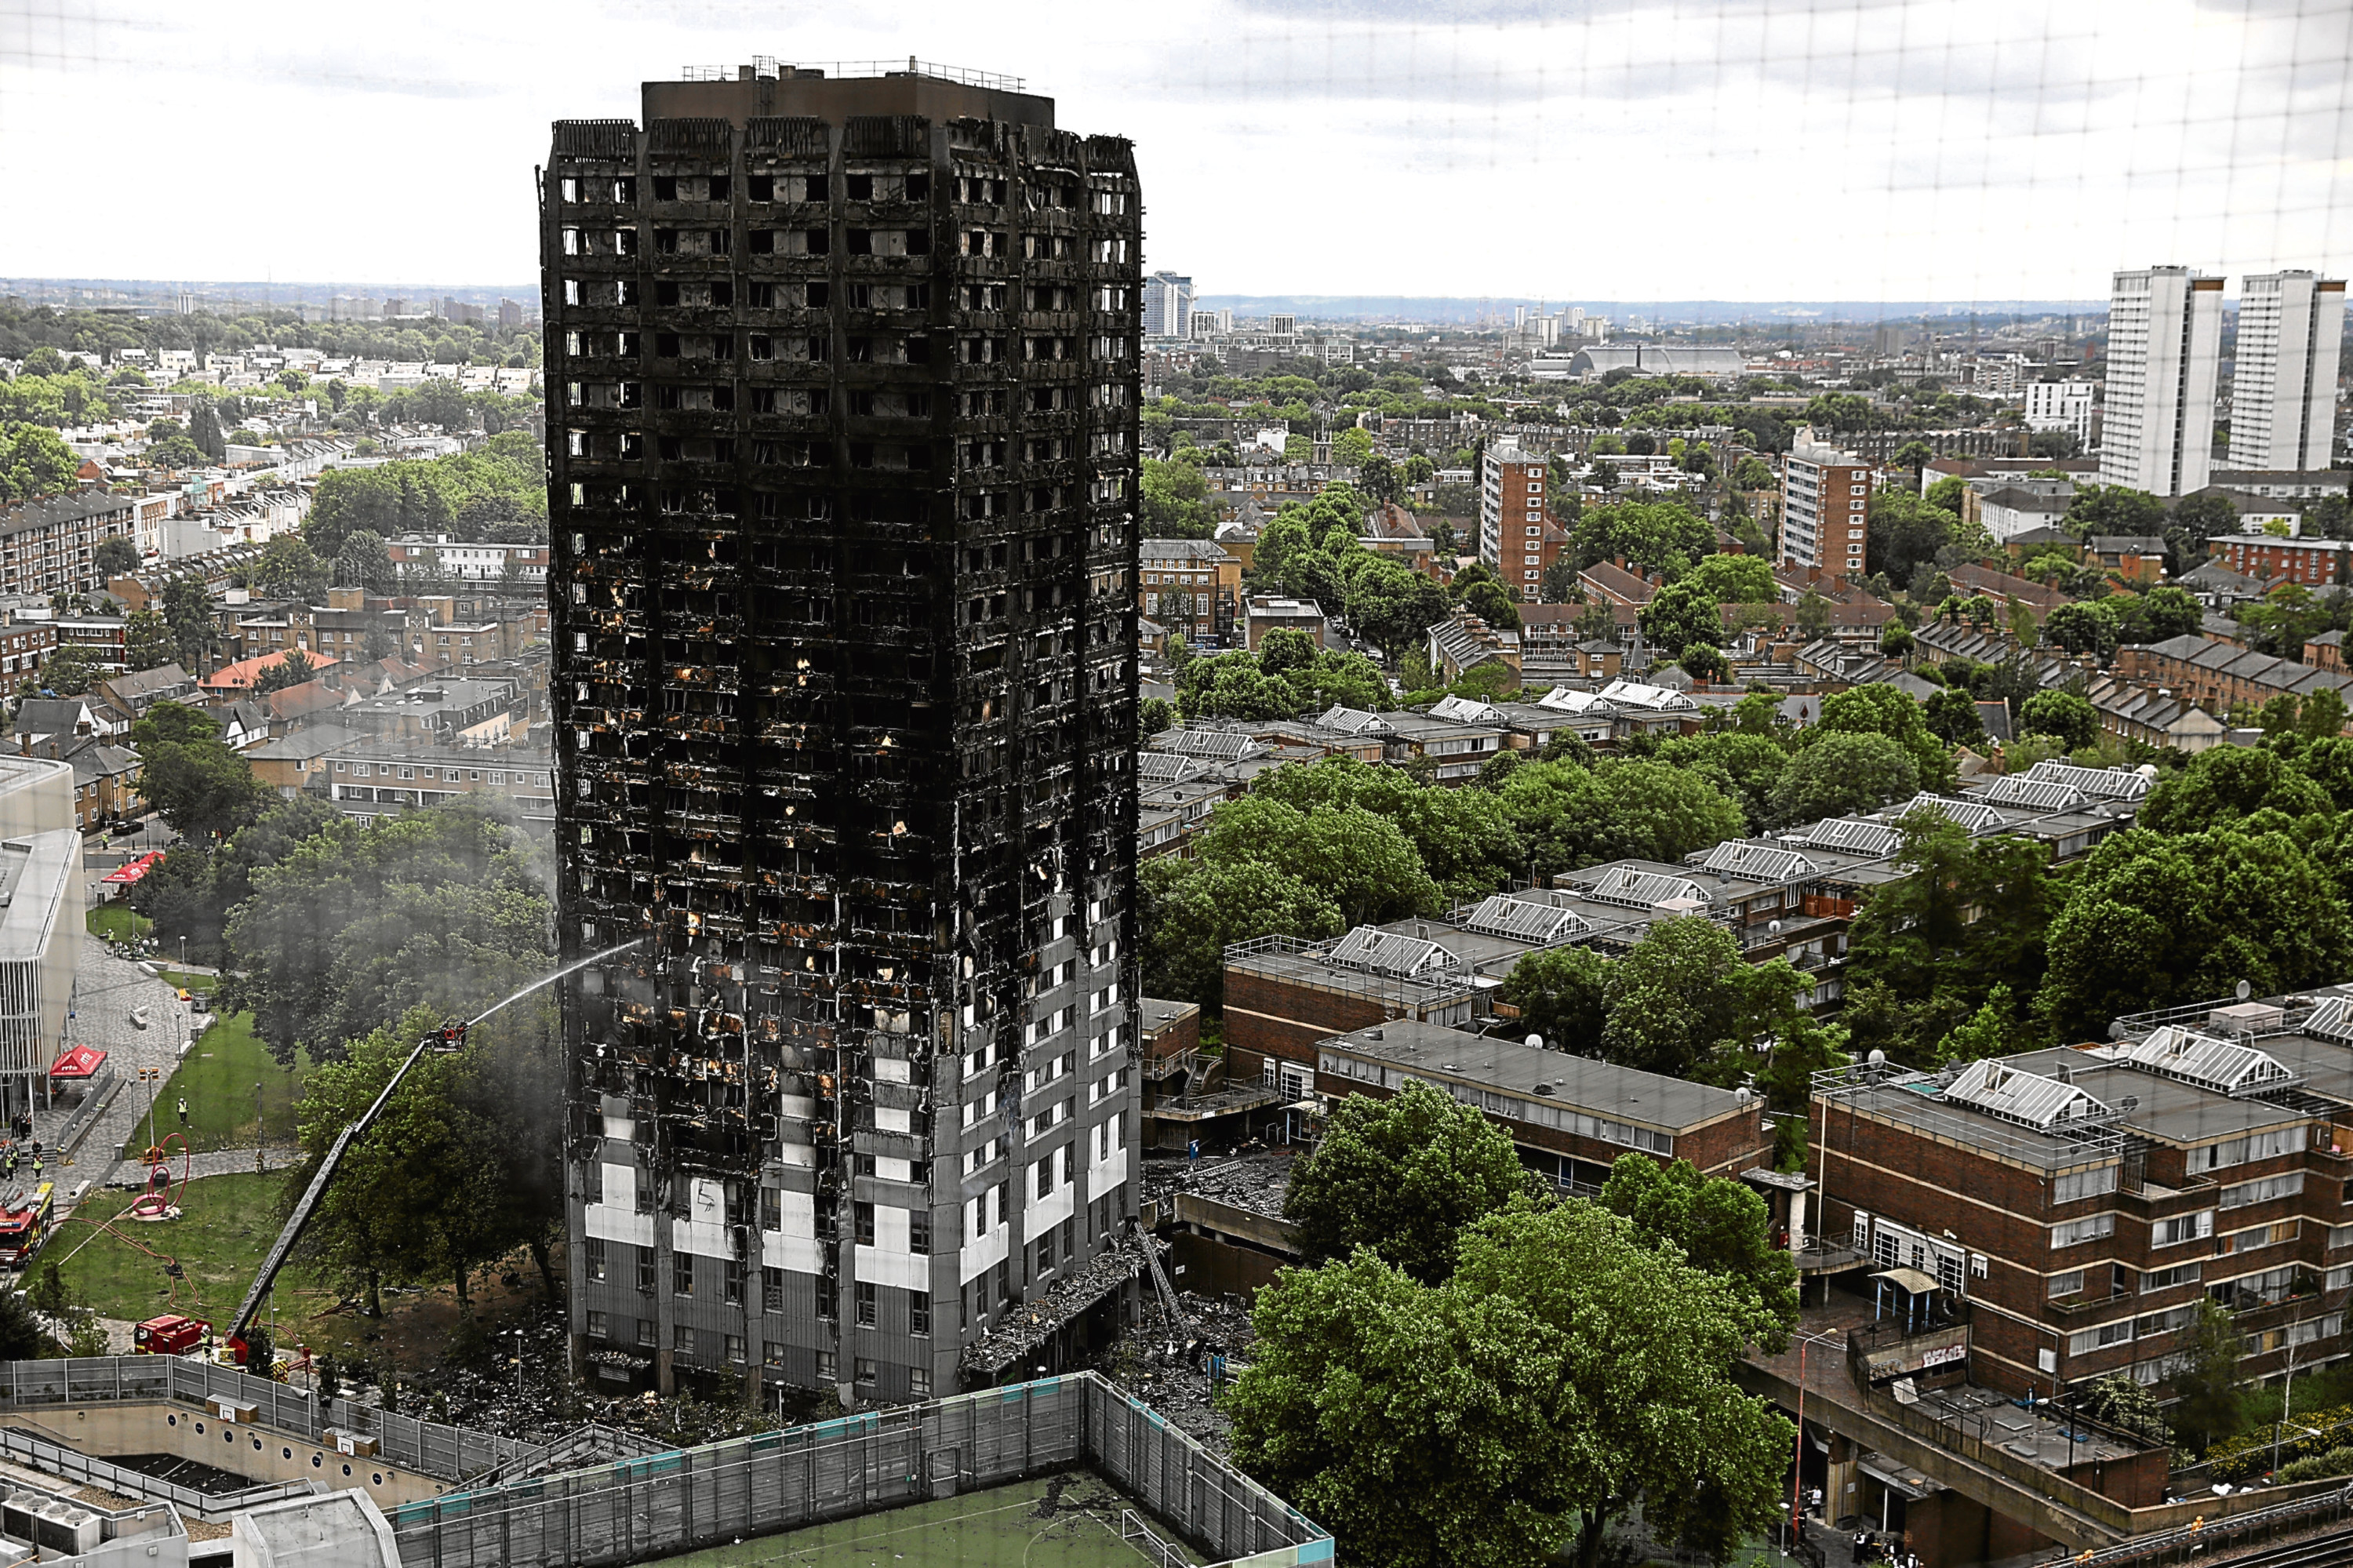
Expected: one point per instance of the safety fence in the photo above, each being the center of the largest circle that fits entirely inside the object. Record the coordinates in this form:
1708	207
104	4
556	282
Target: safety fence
56	1459
634	1509
2206	1539
447	1453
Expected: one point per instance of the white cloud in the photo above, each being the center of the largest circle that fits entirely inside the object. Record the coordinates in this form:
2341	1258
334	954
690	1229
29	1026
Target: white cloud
1736	149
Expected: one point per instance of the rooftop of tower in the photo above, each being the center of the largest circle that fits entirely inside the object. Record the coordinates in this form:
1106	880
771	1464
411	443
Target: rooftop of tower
837	89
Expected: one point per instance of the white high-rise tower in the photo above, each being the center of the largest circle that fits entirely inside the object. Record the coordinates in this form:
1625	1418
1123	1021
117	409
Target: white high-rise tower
2165	337
2284	394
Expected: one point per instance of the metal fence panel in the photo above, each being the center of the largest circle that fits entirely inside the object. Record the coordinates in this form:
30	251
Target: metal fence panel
770	1482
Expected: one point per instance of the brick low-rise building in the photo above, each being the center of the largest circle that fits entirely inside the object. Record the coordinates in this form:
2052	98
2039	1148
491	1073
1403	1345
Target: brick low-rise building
1571	1116
2081	1201
2311	562
2220	676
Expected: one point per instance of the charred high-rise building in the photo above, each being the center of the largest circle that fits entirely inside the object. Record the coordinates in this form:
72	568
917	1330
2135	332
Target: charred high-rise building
842	386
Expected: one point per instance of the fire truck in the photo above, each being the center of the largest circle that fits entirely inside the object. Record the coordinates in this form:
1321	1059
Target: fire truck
170	1335
25	1219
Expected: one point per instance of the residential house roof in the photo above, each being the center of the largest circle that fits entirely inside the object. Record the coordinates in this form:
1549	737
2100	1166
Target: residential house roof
1616	584
241	675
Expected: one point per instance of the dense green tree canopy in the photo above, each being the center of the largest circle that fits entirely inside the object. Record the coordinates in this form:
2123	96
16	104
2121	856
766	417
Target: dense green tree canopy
1569	817
1679	614
1720	1224
2155	919
1402	1177
1842	774
1512	1413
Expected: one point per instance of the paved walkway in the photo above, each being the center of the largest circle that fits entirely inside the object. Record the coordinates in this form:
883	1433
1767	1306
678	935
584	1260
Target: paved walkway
107	991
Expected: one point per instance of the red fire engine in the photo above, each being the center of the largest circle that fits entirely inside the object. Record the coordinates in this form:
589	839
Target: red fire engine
25	1224
168	1336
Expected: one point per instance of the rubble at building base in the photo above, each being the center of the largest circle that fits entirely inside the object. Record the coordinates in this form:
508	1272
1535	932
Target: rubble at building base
1030	1324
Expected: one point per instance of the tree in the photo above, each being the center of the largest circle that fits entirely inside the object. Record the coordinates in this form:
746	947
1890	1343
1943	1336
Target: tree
20	1330
2072	719
1719	1225
1653	536
2127	1404
1378	477
292	670
1175	503
2083	628
2172	612
2113	509
1393	604
187	607
2207	1399
115	556
1489	601
1514	1413
1359	861
444	908
364	561
1463	837
1906	530
1622	809
71	671
1705	662
1518	1409
1153	715
419	1197
1929	947
1883	710
1895	641
1812	615
1679	614
34	462
204	430
1841	774
191	777
2223	786
147	641
2157	919
1401	1178
289	568
1193	910
1683	992
1734	579
1952	717
1561	994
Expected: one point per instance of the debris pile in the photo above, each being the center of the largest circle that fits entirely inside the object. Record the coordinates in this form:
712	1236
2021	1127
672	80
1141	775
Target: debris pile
1180	1372
1026	1325
1254	1180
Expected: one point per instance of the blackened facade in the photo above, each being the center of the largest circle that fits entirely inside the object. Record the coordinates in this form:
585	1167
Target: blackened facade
842	428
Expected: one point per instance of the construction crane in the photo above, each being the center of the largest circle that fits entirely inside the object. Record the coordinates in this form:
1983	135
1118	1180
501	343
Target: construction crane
446	1041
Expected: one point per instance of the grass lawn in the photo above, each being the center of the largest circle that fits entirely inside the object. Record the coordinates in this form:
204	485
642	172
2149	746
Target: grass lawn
218	1076
185	981
116	922
227	1225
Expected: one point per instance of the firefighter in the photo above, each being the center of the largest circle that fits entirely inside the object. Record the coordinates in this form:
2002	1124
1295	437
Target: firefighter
183	1112
36	1162
9	1161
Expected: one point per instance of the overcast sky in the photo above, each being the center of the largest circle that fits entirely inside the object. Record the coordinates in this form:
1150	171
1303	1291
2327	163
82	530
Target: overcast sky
1965	150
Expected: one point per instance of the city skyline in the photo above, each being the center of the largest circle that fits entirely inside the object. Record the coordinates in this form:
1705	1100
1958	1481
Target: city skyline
1934	152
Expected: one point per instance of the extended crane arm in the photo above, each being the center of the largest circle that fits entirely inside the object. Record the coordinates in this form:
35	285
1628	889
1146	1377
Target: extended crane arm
450	1037
447	1039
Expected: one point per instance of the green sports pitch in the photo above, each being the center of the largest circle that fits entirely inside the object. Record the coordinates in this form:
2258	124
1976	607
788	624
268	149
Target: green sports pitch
1074	1520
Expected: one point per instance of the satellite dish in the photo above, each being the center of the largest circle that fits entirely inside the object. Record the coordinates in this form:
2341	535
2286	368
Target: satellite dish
2117	1028
1877	1059
1742	1095
1773	927
1535	1042
2244	988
